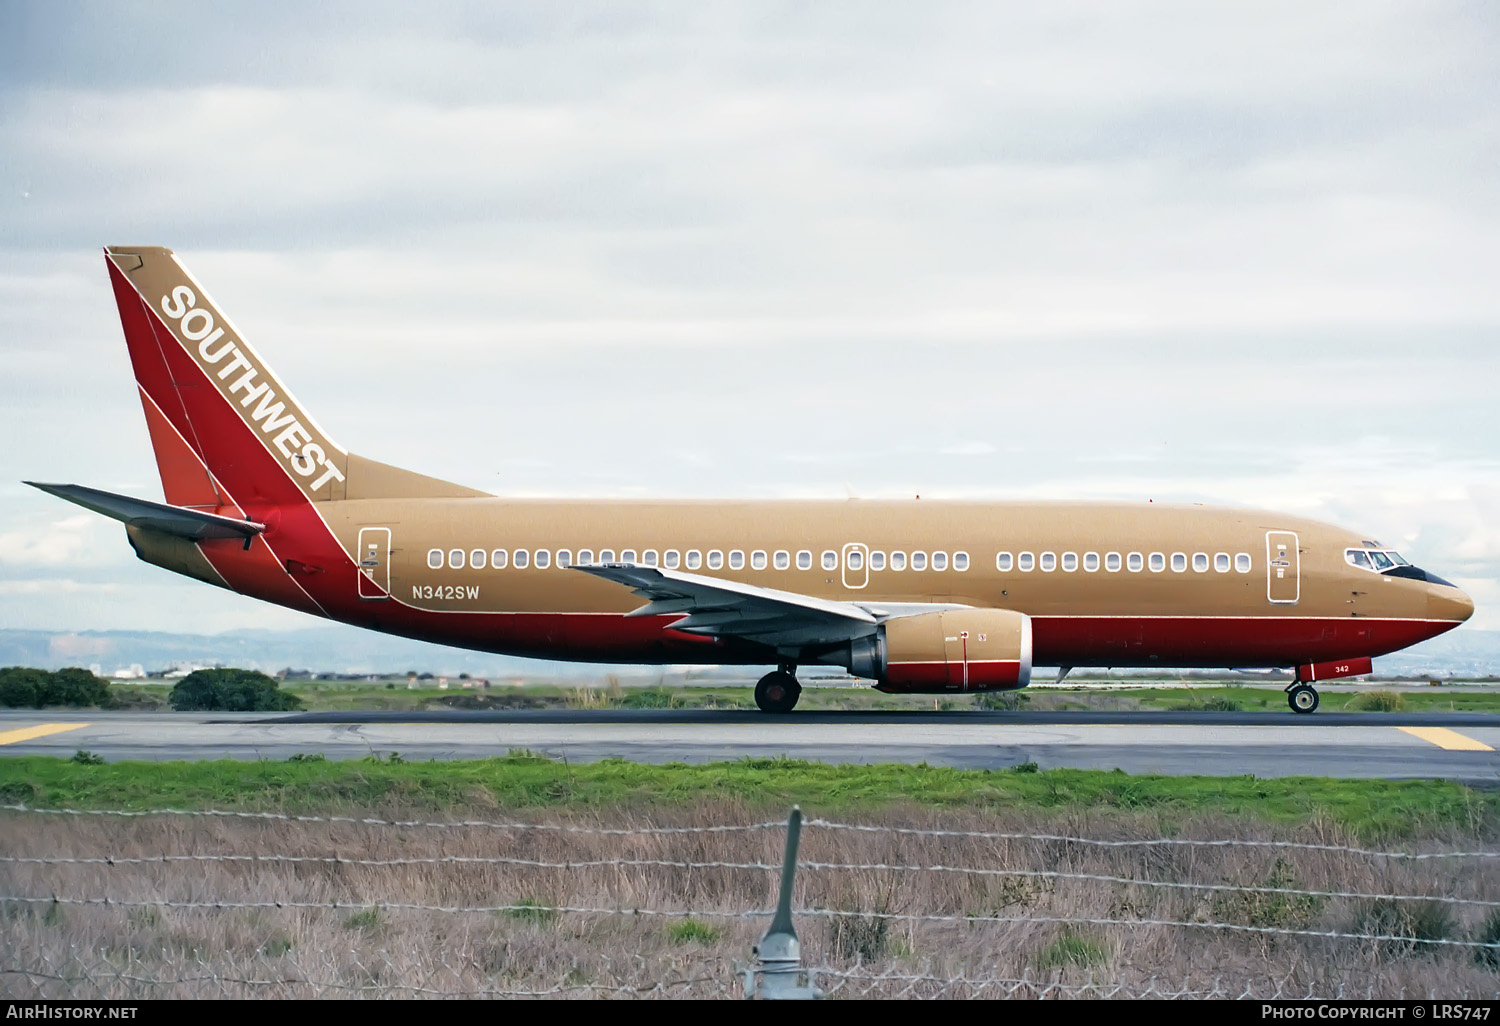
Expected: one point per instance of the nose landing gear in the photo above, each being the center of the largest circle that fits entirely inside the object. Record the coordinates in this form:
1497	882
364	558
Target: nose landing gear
1302	697
778	691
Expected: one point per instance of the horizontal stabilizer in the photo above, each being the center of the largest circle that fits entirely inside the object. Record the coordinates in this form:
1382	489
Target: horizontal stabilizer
156	516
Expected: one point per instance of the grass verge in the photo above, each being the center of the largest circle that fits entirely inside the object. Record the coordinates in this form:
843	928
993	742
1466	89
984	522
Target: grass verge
1370	809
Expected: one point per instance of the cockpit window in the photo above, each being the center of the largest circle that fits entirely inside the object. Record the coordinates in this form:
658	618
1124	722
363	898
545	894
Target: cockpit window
1378	561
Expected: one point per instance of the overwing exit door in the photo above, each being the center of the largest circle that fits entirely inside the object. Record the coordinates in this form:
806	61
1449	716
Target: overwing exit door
1283	571
374	562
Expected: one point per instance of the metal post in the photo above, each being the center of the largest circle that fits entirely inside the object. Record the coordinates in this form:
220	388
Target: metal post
779	953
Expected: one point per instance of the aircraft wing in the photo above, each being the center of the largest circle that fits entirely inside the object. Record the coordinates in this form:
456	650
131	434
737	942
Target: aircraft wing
158	516
715	607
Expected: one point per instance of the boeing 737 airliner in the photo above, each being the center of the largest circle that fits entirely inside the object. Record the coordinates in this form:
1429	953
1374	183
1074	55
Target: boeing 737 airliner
919	596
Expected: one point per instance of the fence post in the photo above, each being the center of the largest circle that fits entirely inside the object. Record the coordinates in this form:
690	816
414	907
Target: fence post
779	953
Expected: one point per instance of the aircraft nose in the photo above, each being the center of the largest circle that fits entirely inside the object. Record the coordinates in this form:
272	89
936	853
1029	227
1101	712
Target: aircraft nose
1445	602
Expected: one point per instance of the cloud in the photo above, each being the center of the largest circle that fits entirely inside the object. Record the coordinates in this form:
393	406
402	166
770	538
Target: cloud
60	543
1240	254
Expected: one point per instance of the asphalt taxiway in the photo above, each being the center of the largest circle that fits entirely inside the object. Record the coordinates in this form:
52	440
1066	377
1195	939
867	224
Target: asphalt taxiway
1455	746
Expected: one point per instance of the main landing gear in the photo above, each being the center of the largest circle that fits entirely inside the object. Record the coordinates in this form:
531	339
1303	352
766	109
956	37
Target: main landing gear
778	691
1303	698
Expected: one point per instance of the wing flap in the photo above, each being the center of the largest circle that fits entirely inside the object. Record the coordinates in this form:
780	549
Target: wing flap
192	524
718	608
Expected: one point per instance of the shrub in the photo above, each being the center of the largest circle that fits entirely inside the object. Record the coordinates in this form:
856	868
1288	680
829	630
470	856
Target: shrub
1377	701
1411	922
1489	933
84	757
21	686
26	688
230	690
75	686
1000	701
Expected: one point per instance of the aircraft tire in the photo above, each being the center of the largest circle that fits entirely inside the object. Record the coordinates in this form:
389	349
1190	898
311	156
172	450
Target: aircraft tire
777	692
1303	698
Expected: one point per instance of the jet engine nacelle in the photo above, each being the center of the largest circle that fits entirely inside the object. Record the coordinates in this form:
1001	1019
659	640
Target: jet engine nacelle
952	650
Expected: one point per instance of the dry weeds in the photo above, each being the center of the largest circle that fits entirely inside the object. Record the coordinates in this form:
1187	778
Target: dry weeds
64	950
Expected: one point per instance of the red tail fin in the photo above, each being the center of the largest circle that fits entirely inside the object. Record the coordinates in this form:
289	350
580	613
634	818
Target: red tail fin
218	415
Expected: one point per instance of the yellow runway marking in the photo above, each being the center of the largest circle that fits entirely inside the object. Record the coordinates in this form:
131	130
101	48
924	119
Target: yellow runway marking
1445	738
10	737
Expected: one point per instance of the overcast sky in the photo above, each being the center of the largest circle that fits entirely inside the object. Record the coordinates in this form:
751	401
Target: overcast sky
1231	253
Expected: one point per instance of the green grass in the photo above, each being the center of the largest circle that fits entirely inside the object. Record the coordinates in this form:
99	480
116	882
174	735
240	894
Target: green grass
1072	949
692	931
385	694
1370	808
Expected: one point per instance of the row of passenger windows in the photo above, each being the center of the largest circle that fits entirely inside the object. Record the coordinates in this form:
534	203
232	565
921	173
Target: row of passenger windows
1114	562
692	559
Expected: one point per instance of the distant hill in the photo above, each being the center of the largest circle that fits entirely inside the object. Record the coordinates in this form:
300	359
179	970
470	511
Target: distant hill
339	649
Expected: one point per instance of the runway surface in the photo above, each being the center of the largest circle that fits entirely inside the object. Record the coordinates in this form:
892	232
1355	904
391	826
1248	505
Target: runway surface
1455	746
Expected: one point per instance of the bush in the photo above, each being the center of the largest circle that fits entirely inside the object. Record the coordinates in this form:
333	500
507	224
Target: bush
230	690
26	688
1000	701
1489	933
1409	923
1377	701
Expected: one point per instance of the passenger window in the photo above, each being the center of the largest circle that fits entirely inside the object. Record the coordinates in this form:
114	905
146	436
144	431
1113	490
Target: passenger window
1003	562
1112	562
919	561
456	559
671	560
498	558
694	559
898	561
627	556
1221	562
648	558
1070	561
940	560
1091	561
715	559
477	559
855	560
521	559
1134	562
1242	562
434	559
830	560
782	559
585	556
1026	562
736	559
960	561
877	560
1179	562
543	559
606	555
1354	557
1158	562
758	559
1200	562
804	559
564	558
1049	561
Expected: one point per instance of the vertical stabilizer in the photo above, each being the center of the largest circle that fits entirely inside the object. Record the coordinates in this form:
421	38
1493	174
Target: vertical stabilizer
211	399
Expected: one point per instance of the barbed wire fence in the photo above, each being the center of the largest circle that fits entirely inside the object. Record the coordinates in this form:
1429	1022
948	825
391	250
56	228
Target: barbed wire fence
667	911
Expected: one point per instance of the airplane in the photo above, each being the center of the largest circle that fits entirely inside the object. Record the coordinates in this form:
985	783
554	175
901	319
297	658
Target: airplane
918	596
